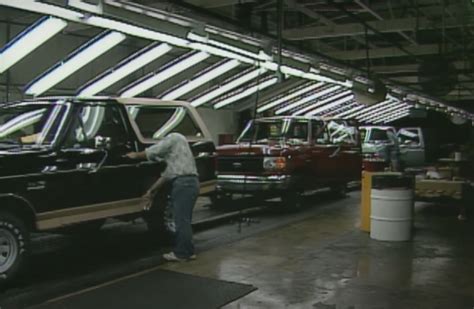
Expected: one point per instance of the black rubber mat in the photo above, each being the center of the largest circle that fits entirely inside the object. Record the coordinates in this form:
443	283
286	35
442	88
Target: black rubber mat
156	289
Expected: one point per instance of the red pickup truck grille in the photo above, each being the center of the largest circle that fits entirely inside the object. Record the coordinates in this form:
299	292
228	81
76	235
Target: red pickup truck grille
239	165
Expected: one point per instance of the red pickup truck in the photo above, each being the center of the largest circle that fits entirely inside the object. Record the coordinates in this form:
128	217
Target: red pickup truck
286	156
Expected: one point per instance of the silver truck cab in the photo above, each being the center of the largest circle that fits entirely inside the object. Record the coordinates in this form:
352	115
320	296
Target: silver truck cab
376	139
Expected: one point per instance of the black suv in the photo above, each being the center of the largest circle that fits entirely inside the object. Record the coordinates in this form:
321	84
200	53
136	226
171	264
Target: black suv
62	165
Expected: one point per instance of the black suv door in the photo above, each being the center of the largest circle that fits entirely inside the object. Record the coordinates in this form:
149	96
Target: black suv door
99	140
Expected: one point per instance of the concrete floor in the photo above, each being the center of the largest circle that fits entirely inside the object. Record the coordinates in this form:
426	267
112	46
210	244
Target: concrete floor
325	262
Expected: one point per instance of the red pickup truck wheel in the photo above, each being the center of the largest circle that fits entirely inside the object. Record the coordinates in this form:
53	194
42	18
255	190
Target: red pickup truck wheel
14	246
339	190
220	200
292	200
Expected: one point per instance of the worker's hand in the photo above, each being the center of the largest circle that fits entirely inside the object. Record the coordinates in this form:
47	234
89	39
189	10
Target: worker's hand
148	198
29	139
132	155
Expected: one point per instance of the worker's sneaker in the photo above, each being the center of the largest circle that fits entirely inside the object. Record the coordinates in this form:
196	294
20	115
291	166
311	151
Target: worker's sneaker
171	257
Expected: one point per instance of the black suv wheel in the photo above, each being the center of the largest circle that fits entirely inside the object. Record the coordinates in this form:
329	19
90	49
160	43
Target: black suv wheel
14	246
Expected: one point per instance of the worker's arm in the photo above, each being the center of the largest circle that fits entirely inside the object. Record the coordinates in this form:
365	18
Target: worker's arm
137	155
156	186
150	194
154	153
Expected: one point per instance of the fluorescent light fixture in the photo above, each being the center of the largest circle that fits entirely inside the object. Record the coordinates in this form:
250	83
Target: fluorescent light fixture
394	117
79	58
321	103
260	56
156	78
95	21
307	99
144	33
227	87
267	106
383	112
340	108
391	116
350	111
28	40
124	68
246	93
333	104
397	117
388	114
201	80
370	108
136	31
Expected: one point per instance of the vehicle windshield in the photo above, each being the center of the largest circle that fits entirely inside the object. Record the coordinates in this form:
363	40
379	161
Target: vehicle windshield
263	131
29	124
378	135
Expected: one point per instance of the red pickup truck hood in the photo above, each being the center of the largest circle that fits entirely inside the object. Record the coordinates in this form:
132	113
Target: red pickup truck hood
243	149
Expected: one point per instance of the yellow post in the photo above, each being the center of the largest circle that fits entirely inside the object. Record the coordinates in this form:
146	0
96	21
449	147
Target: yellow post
365	201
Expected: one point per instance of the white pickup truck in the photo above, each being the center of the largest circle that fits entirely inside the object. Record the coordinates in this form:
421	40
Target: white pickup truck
376	139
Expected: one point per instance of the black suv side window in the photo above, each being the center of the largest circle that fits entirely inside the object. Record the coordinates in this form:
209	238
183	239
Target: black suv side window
98	121
156	122
319	132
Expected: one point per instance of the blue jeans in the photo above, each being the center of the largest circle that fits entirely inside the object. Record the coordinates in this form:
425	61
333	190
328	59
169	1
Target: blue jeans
184	193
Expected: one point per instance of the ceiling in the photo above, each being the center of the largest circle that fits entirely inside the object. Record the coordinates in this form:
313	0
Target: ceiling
224	54
422	44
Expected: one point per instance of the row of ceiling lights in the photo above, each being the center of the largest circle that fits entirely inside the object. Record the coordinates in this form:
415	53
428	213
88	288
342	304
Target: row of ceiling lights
321	97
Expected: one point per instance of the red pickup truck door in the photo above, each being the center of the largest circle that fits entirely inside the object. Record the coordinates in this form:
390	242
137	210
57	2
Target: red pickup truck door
346	137
324	155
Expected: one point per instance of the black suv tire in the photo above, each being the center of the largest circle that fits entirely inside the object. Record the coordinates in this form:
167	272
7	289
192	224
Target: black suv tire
15	246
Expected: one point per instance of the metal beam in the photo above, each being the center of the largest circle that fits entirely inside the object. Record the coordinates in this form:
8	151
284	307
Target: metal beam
321	18
208	4
383	26
387	52
376	15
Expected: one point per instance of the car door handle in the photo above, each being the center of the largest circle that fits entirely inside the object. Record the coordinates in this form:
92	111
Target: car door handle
205	155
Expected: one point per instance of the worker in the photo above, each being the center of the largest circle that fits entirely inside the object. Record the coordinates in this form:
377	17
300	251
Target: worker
393	152
182	175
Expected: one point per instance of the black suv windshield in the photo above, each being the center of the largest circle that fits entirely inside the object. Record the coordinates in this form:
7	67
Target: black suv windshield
263	131
29	124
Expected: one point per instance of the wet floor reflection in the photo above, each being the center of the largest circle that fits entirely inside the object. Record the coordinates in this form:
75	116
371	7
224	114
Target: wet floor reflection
324	262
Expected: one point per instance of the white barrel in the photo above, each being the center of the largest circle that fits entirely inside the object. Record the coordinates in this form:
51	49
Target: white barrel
391	217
